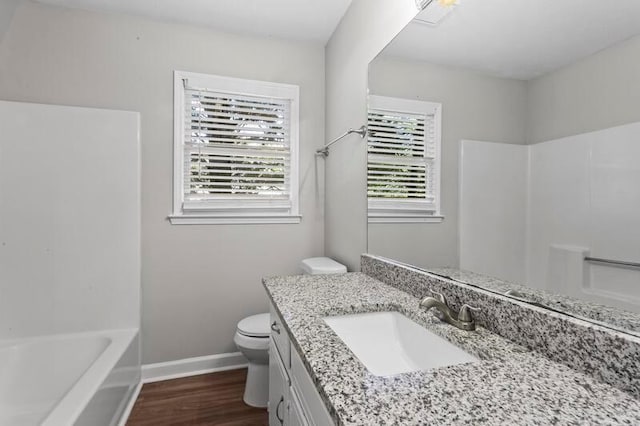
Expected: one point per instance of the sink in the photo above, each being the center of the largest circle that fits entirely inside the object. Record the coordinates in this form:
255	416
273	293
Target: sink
388	343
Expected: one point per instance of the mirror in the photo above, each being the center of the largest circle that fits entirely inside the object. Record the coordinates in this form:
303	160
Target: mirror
504	151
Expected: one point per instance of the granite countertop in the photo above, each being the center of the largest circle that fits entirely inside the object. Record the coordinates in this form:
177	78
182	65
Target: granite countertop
511	385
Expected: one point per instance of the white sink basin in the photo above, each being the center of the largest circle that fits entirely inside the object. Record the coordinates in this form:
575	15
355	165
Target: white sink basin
389	343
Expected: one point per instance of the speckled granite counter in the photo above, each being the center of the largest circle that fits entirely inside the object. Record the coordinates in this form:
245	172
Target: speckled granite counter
511	385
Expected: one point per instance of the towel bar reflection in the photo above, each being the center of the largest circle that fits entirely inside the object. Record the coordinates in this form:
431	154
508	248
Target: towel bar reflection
324	151
613	262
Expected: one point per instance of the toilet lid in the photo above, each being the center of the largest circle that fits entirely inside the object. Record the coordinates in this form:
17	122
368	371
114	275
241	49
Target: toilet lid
255	326
322	265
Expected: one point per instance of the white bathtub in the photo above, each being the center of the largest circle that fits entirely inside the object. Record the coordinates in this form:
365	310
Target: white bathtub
61	380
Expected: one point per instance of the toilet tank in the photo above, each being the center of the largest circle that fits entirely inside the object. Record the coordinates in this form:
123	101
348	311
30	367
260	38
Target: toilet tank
321	265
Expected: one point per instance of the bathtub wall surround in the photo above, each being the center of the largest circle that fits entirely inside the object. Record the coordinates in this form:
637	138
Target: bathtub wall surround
552	204
72	263
69	263
70	239
610	356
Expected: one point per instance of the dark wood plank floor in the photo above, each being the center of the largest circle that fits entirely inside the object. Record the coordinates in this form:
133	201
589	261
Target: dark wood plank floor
209	399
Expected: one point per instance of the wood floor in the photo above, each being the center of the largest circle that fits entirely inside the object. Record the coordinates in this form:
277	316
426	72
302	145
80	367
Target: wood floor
209	399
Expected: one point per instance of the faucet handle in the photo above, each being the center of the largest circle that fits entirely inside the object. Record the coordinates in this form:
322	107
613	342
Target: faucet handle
439	296
465	313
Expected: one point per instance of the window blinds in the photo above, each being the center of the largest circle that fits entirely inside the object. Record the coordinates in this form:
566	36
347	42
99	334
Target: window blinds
402	150
236	147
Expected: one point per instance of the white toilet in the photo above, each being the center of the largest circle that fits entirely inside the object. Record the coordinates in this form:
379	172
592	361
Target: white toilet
252	337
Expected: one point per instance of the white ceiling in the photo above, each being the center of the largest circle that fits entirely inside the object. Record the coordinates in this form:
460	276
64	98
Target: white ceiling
519	38
310	20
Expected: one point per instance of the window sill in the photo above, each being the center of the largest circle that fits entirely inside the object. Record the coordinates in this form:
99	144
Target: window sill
232	220
405	219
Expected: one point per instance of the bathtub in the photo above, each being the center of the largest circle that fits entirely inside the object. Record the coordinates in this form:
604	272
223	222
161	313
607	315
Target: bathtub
62	380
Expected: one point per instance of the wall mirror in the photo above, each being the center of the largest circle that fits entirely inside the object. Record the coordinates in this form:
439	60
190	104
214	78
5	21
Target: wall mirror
504	151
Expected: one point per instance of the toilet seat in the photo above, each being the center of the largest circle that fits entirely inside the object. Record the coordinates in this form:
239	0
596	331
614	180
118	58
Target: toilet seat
252	343
256	326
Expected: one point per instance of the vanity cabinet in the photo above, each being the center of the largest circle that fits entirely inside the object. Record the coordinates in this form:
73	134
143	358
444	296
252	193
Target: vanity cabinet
293	398
278	388
296	412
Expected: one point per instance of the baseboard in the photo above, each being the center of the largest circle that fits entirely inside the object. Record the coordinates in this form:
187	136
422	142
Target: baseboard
129	407
192	367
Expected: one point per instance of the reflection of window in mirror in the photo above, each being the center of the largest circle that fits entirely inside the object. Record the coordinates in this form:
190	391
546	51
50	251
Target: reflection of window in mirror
403	160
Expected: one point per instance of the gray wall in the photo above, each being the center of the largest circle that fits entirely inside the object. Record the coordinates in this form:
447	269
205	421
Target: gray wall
198	281
474	107
367	27
567	102
7	9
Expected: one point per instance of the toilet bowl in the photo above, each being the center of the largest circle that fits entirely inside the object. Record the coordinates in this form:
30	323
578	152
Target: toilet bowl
252	338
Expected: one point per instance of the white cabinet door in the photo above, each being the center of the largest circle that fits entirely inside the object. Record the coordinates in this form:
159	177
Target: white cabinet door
310	401
296	412
278	388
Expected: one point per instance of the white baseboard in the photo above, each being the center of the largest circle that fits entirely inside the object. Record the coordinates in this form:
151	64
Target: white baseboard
129	407
192	366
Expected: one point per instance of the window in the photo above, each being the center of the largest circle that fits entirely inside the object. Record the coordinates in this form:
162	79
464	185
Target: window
403	167
235	150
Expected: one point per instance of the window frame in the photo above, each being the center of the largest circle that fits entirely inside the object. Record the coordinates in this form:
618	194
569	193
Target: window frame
407	211
222	211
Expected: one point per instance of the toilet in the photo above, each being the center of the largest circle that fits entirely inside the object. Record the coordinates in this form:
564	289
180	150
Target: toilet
252	337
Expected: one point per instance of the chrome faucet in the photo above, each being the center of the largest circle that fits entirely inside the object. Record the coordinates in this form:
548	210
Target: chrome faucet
462	320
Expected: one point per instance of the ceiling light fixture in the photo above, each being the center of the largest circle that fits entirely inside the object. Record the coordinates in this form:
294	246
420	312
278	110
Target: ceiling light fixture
431	12
421	4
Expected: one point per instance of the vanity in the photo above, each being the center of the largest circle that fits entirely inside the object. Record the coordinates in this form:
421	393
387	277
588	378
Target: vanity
501	173
321	375
293	397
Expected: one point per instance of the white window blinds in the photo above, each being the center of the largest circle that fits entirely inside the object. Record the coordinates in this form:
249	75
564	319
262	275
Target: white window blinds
403	157
236	146
238	143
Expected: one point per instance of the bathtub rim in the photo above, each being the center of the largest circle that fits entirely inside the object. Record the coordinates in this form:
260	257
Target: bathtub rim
71	404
